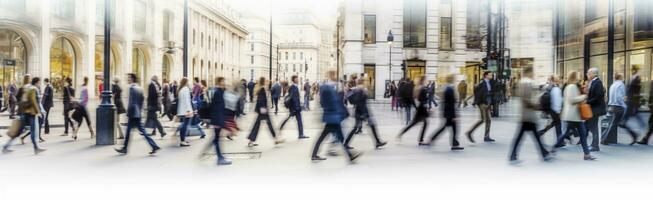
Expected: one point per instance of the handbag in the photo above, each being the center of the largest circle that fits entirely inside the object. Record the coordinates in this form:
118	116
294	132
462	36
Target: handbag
13	129
585	111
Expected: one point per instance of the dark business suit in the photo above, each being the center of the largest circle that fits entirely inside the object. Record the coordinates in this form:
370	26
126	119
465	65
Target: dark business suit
275	92
134	107
634	97
217	108
153	106
295	109
261	103
362	114
484	98
68	95
48	103
596	100
449	114
334	112
421	115
250	87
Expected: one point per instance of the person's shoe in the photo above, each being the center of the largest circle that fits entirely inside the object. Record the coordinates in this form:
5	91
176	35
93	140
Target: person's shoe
548	157
354	156
381	144
560	145
488	139
121	137
154	150
64	134
224	161
603	142
6	150
594	149
230	138
332	153
202	137
184	144
47	133
279	141
303	137
589	157
423	144
349	147
251	144
41	140
317	158
22	140
163	135
643	142
457	148
469	137
37	151
514	160
121	150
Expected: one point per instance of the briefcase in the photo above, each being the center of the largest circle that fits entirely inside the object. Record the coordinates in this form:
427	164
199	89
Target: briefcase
13	129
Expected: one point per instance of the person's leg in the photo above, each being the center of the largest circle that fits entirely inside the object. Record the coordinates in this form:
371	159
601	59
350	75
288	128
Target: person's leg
557	123
408	115
582	131
533	128
300	125
358	125
487	120
184	128
425	124
130	125
645	139
372	124
141	129
33	129
561	138
337	132
454	133
66	121
517	141
88	122
592	126
216	143
439	131
285	121
47	121
412	123
268	121
319	141
254	133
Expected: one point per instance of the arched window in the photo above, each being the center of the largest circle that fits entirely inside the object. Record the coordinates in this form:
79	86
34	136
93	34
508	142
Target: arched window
62	63
138	63
12	47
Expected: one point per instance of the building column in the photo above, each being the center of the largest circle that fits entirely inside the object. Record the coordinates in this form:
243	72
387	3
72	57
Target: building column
89	56
44	71
129	45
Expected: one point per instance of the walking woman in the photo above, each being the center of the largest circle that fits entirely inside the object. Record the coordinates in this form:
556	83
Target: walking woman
68	96
422	112
571	113
263	114
120	106
184	110
83	103
167	99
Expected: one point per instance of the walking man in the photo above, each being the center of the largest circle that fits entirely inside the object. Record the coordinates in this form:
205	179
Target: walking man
595	98
462	93
294	106
333	115
154	106
529	107
13	90
275	92
134	107
449	114
48	103
307	95
421	113
217	107
362	114
262	110
616	108
484	98
634	96
554	107
250	88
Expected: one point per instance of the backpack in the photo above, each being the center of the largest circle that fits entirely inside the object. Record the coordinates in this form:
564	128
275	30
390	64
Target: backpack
287	100
545	99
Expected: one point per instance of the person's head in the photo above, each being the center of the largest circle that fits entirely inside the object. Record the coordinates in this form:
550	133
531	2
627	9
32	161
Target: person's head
155	78
634	69
174	82
116	80
592	73
36	81
572	77
85	81
421	80
69	81
183	82
354	77
332	75
26	79
203	82
295	79
487	75
165	80
528	72
131	78
46	80
361	82
262	81
619	77
220	82
554	79
450	78
196	80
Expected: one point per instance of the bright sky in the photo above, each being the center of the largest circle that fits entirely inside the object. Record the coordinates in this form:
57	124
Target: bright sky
324	10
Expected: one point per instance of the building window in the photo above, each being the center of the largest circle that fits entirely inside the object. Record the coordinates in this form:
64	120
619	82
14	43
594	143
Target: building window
286	55
294	55
643	23
301	55
201	40
445	33
64	9
140	17
294	68
369	28
415	23
99	11
252	47
251	60
193	36
168	25
473	36
208	43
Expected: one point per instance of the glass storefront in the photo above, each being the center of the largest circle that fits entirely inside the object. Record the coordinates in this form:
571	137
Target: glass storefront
138	64
370	73
62	64
99	62
13	56
582	38
415	69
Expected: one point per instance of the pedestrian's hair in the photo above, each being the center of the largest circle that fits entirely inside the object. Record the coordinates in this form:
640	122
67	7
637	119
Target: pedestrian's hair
196	79
218	80
47	80
293	77
619	76
26	79
451	78
486	73
182	83
572	77
203	82
35	80
85	81
527	70
133	77
116	80
69	81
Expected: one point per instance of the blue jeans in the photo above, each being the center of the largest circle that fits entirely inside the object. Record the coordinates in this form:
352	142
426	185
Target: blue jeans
136	123
408	115
216	143
183	127
27	120
306	101
582	132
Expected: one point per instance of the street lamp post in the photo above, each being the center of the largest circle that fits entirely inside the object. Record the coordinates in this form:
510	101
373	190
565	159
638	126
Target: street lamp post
185	57
106	111
391	38
270	72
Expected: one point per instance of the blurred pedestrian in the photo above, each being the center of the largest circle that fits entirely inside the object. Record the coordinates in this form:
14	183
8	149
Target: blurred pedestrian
184	110
217	108
275	92
134	107
462	93
262	111
421	113
633	102
29	109
362	114
82	109
483	98
553	94
68	100
529	107
153	107
649	132
432	88
595	98
116	90
617	106
166	99
250	89
48	103
13	100
449	114
36	85
307	95
293	104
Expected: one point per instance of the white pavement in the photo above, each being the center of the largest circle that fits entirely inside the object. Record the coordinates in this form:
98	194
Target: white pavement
80	170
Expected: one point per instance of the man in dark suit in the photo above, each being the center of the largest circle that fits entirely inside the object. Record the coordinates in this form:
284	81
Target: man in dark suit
595	98
295	107
134	107
275	92
48	103
333	115
449	114
633	94
217	107
483	98
68	98
154	106
307	95
250	88
362	114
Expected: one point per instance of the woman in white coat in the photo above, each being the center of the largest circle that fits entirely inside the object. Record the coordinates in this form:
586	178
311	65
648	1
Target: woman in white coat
184	110
571	113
